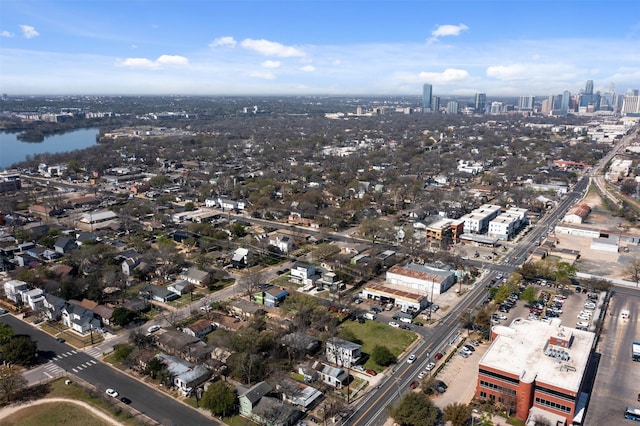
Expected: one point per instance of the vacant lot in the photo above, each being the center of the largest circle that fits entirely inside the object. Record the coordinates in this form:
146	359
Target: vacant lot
373	333
53	413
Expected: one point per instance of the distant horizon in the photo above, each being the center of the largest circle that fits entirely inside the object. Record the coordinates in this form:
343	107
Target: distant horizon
326	48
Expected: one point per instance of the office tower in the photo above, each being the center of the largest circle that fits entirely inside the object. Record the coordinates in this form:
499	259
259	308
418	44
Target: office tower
427	94
588	89
632	92
631	105
547	105
496	108
435	103
452	107
481	102
525	103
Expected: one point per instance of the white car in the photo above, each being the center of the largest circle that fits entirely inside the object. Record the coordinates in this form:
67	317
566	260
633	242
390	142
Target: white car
153	328
430	366
112	393
422	374
590	306
500	316
411	359
206	308
394	324
582	324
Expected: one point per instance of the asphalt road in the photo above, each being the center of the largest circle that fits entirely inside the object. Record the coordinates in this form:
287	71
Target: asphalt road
617	378
162	408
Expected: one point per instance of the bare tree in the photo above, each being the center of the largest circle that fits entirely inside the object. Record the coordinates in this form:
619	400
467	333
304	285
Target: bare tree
251	280
633	270
12	384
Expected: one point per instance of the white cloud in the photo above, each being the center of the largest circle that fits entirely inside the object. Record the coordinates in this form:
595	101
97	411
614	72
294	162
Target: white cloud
509	72
308	68
149	64
263	75
450	75
271	48
134	46
447	30
137	63
28	31
271	64
6	34
172	60
223	42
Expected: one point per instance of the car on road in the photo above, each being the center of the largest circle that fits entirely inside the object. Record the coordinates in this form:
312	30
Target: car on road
153	328
394	324
438	355
418	323
405	327
430	366
112	393
125	400
206	308
411	358
3	311
60	339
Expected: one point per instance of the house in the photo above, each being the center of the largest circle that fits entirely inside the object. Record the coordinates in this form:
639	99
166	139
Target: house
26	260
246	309
272	412
299	394
332	376
79	319
301	343
199	328
104	314
33	298
248	397
86	238
282	243
180	287
342	352
271	295
240	258
176	343
157	293
52	307
186	376
302	274
64	245
196	276
13	290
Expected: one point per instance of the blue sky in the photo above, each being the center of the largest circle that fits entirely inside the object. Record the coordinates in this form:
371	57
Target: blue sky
305	47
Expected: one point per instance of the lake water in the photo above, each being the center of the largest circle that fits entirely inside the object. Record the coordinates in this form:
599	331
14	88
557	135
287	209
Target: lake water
13	150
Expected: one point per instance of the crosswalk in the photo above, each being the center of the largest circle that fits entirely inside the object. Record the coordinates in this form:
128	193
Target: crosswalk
78	367
95	352
52	370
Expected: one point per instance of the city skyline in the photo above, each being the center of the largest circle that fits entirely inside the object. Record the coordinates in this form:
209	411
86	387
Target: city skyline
317	48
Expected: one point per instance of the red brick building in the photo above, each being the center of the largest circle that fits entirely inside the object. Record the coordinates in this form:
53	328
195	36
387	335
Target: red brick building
536	369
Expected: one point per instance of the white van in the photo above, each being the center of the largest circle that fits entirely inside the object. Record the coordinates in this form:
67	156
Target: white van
407	320
370	316
624	314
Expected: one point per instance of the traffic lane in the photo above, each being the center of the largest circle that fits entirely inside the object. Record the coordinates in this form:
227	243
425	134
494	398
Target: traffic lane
145	399
148	401
616	377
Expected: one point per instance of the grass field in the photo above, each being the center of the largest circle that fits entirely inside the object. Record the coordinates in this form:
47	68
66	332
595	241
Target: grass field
53	413
373	333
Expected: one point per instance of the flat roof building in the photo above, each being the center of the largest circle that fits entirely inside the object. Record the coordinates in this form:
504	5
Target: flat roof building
534	366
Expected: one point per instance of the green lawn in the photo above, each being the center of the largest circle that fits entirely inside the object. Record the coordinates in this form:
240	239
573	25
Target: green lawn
373	333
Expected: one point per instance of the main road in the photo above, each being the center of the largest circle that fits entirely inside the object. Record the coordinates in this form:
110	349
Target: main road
371	410
63	358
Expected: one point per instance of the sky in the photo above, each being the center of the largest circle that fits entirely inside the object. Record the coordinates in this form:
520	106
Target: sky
317	47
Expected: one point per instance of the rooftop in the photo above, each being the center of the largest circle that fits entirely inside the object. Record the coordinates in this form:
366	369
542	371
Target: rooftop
519	349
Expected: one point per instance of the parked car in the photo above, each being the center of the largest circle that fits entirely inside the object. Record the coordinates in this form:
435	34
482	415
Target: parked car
60	339
414	384
422	375
112	393
501	316
405	327
125	400
438	356
206	308
153	328
430	366
463	354
589	305
469	348
582	324
394	324
371	372
475	342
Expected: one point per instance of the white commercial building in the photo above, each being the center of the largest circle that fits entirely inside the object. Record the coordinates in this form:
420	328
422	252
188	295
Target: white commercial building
478	220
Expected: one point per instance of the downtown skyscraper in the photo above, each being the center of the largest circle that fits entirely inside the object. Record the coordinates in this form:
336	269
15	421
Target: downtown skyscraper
427	94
